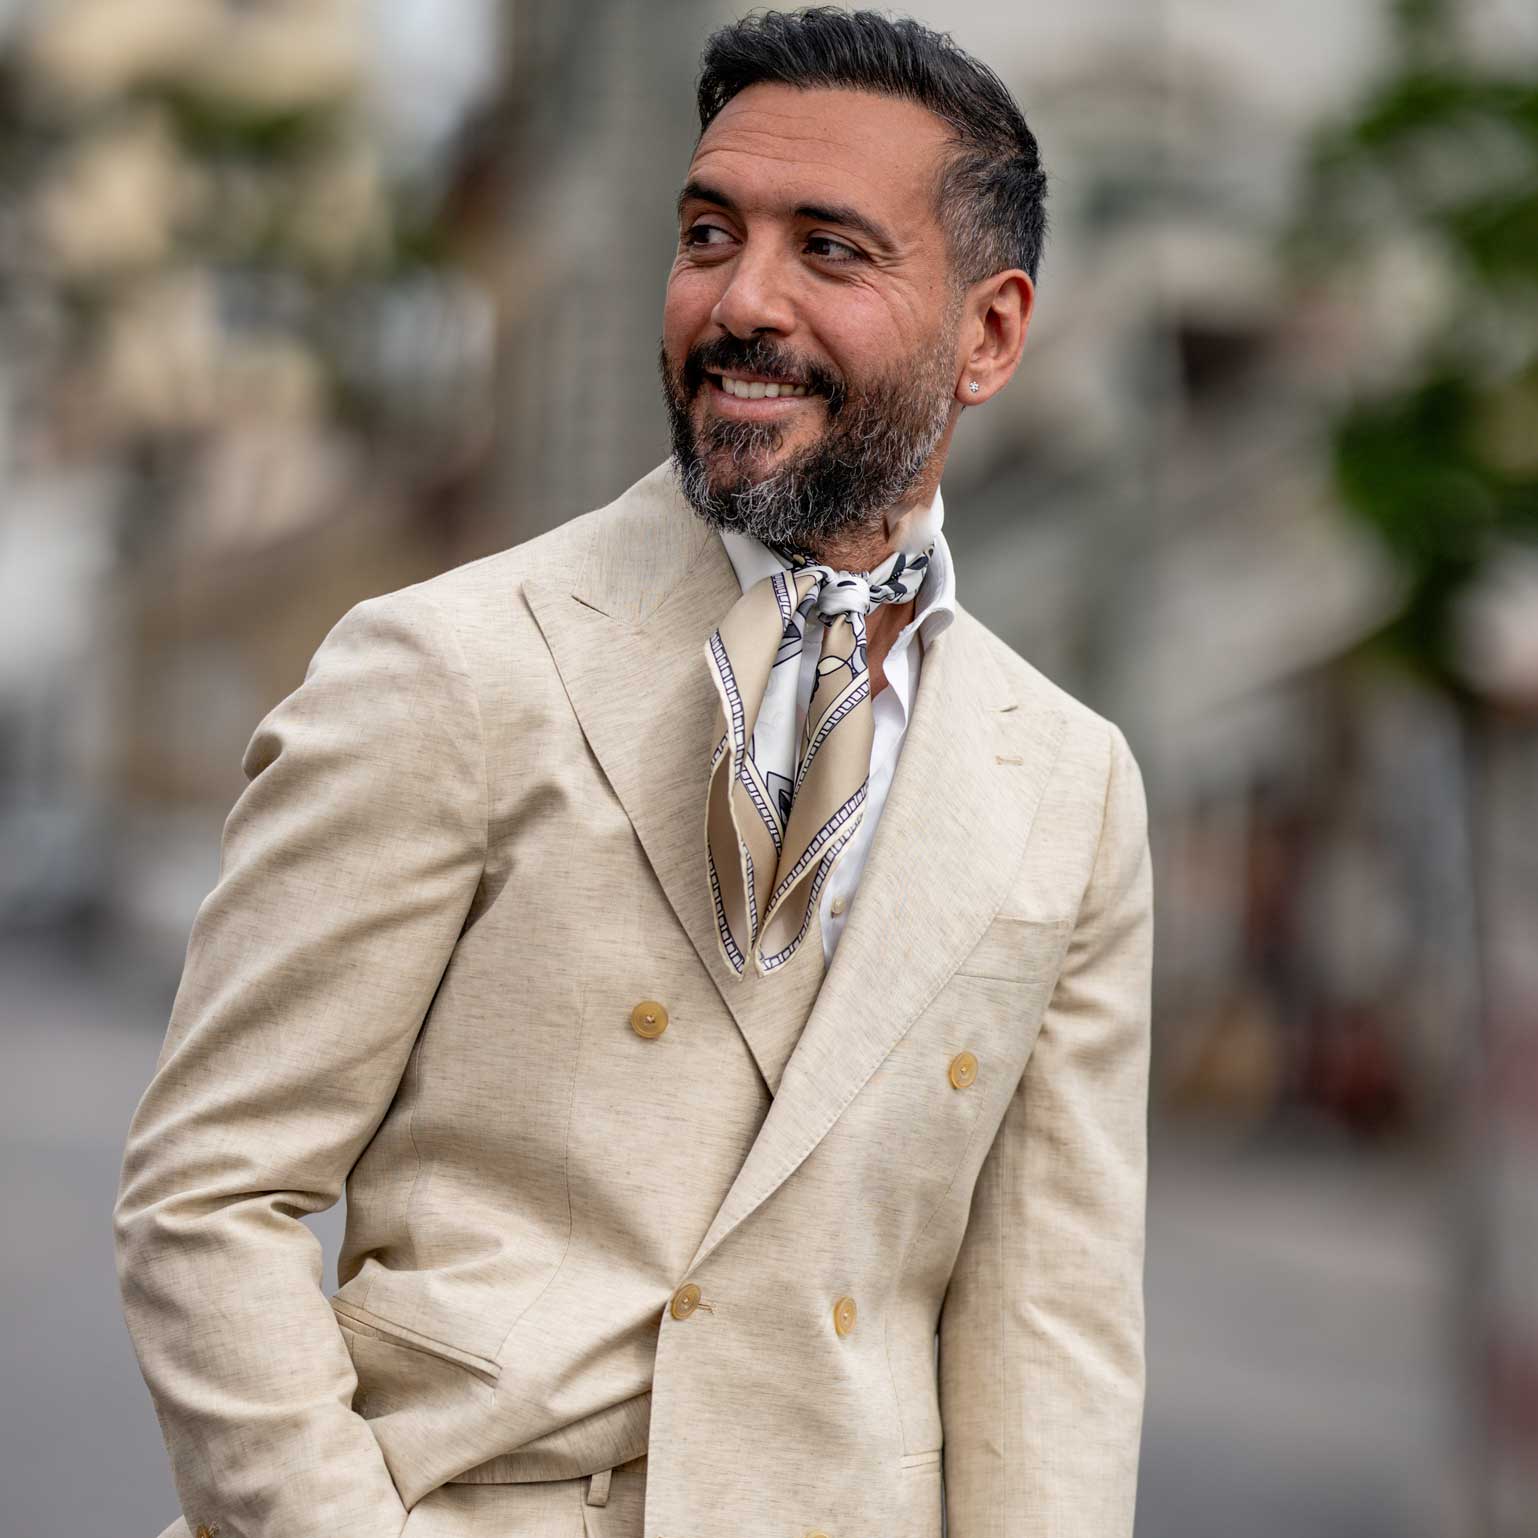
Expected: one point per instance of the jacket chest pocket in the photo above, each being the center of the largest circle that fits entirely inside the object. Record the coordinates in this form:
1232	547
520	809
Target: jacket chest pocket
1000	993
1015	949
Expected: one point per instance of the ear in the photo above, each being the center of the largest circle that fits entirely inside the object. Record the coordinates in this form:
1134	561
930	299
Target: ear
997	314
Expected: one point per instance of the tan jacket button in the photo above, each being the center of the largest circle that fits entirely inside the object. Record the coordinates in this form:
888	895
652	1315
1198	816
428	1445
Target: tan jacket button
649	1018
685	1301
963	1069
843	1315
817	1533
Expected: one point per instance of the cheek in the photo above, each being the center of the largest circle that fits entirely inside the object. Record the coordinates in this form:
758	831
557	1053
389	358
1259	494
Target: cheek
687	302
859	329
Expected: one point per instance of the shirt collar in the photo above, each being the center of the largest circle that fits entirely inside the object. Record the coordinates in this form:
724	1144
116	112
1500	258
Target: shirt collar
934	605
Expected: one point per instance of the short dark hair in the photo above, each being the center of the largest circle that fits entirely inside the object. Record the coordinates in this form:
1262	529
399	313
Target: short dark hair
992	187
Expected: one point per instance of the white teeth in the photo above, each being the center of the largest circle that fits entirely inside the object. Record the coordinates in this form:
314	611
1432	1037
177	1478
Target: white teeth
757	389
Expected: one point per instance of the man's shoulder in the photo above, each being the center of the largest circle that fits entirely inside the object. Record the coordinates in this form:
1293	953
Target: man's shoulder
570	557
1090	738
1027	681
557	556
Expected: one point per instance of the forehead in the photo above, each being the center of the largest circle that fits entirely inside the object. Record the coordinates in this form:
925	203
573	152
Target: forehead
776	146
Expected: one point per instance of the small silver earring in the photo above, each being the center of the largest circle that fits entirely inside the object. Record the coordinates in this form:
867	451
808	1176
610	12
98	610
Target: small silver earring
974	387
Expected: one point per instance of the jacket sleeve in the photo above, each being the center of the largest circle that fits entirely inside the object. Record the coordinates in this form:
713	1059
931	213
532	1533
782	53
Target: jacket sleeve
347	867
1041	1331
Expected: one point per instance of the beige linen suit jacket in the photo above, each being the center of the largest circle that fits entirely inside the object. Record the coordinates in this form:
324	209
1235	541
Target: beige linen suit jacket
472	840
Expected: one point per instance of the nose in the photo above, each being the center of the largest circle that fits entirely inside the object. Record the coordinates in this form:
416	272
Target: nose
755	298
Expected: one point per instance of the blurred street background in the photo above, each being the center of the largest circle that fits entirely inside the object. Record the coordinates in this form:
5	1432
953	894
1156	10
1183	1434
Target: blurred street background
303	300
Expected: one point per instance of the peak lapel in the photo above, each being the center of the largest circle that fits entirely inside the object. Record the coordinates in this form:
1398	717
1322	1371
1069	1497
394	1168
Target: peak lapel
629	643
974	762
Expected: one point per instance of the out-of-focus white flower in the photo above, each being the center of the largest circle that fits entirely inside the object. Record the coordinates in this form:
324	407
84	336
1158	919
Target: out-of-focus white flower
1405	296
338	215
270	377
88	50
257	482
1496	625
283	55
116	199
170	364
277	56
161	356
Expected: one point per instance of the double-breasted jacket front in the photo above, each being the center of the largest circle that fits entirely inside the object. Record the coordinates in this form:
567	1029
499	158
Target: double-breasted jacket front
724	1228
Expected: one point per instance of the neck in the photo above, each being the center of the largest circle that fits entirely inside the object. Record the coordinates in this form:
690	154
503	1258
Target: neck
865	548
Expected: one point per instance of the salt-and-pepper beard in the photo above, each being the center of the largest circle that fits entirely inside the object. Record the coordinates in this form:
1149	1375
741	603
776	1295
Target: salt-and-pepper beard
874	448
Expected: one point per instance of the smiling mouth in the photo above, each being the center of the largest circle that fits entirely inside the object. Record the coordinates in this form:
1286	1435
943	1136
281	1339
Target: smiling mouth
756	389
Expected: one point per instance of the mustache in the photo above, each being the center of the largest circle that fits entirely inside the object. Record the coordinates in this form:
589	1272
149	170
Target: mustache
726	354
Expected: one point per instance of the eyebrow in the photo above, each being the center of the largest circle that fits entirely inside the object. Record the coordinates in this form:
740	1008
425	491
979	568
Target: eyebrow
823	213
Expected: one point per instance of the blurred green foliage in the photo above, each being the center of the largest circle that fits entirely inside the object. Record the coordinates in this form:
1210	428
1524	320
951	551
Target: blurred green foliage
1441	159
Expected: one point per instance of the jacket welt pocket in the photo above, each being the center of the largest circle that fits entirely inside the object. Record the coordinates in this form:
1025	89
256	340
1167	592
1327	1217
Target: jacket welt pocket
362	1322
1019	950
920	1497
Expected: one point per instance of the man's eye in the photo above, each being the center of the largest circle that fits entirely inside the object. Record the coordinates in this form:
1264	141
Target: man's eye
840	250
698	235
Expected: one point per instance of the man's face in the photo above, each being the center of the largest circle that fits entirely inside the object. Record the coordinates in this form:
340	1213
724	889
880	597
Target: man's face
811	258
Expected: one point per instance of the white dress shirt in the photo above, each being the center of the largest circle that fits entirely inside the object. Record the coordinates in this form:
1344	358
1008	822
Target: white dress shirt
781	715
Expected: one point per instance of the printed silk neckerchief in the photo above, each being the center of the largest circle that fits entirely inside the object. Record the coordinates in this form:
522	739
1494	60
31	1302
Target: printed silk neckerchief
771	840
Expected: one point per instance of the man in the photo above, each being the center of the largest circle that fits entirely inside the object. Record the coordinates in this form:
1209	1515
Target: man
714	964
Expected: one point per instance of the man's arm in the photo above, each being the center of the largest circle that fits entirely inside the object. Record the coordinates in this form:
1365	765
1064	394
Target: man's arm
347	867
1041	1332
